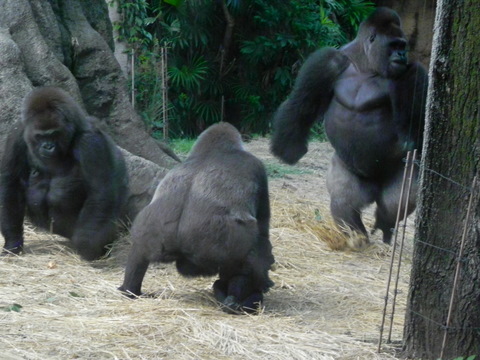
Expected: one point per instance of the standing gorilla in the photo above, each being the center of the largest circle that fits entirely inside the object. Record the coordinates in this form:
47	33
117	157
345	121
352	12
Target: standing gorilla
373	103
67	176
211	215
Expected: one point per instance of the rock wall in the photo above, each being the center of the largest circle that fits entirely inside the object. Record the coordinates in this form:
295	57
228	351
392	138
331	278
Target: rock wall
69	44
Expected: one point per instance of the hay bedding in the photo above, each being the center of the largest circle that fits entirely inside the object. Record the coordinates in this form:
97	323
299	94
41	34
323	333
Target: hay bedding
325	305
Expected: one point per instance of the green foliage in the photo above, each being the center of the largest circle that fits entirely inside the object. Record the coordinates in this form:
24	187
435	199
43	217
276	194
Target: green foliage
189	75
471	357
182	146
214	75
148	91
135	22
276	170
318	132
13	307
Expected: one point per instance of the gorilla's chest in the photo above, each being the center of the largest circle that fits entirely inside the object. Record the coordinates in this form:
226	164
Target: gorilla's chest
360	92
56	198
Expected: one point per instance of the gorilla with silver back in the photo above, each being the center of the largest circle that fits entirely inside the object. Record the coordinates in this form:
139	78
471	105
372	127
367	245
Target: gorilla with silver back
372	102
210	215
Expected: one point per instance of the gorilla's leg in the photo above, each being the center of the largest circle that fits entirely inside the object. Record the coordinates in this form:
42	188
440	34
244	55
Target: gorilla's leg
186	268
349	195
238	294
189	269
137	265
220	289
91	248
388	201
13	245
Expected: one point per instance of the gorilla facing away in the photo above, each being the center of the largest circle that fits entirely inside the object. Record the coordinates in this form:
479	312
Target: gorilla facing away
211	216
372	102
63	173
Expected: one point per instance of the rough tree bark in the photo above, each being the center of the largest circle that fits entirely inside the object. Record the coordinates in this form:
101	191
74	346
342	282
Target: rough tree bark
69	43
121	50
452	148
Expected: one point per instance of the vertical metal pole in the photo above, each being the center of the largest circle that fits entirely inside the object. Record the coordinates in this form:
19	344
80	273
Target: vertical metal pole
164	91
222	111
393	251
133	78
402	242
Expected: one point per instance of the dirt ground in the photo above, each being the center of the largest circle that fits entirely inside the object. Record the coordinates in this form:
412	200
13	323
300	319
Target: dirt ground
325	304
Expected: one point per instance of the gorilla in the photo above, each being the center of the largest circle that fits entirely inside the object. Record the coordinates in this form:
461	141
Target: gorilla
63	173
211	216
372	102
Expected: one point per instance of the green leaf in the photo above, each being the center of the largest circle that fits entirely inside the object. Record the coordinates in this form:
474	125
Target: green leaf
150	20
173	2
14	307
74	294
188	75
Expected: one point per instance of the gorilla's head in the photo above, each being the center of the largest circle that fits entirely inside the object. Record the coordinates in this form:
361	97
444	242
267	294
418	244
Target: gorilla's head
383	42
51	119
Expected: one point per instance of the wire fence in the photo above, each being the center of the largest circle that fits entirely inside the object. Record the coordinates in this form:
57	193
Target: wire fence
396	256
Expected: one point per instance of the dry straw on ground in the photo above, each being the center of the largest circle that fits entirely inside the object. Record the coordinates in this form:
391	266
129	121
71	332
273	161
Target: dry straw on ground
326	304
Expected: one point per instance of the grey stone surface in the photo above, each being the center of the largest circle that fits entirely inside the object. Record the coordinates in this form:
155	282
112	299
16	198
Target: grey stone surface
69	44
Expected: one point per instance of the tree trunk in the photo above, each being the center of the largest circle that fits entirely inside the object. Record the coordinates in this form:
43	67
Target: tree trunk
69	43
451	161
121	49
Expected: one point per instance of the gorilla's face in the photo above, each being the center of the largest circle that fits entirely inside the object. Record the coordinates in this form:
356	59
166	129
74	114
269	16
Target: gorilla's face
398	59
48	137
387	55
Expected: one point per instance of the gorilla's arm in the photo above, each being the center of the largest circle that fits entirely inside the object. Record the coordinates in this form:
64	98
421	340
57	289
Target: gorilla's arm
263	218
264	247
241	289
308	100
409	93
95	226
14	175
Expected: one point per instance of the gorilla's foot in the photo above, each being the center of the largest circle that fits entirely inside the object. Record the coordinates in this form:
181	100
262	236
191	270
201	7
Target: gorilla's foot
236	299
231	305
357	240
15	249
250	305
130	294
388	231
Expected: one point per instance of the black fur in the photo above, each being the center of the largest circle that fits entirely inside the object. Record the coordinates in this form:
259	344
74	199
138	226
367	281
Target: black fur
63	173
372	102
210	215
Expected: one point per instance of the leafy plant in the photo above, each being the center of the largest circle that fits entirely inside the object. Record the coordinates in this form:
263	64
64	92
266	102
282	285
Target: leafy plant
188	75
232	60
182	146
13	307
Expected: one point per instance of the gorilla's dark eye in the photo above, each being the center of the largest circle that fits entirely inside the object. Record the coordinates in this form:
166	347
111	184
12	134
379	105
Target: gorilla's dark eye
34	173
372	38
398	44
